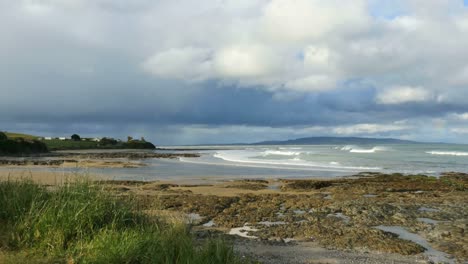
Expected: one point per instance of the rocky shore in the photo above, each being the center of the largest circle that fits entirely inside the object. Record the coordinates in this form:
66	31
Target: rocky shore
91	159
421	217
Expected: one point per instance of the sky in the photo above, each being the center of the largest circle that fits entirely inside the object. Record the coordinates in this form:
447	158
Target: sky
225	71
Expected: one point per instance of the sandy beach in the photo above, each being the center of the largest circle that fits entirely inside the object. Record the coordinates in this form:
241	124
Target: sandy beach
367	218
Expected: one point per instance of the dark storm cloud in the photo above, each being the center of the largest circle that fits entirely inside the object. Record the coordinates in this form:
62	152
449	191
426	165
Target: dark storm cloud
228	71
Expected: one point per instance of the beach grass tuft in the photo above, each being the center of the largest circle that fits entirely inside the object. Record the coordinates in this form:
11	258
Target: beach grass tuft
81	222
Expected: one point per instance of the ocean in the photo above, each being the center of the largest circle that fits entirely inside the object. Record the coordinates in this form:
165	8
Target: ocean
431	159
304	161
298	161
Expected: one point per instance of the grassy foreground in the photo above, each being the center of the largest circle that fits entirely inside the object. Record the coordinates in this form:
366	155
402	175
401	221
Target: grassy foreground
82	223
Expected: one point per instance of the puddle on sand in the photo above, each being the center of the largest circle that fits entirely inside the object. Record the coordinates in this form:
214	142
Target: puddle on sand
243	231
211	223
299	212
341	216
268	223
428	221
280	214
433	254
427	209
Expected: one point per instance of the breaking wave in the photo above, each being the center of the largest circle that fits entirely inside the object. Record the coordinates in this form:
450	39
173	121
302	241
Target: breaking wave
244	158
354	149
448	153
280	153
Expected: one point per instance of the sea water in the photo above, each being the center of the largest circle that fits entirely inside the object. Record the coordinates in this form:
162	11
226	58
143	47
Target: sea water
431	159
280	161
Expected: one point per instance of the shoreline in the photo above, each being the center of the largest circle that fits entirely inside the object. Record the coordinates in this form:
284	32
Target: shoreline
362	217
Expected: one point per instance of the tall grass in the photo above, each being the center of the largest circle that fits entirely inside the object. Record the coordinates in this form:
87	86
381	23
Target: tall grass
80	222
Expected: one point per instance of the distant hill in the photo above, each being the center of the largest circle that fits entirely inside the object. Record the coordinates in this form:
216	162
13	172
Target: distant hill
336	141
65	144
19	135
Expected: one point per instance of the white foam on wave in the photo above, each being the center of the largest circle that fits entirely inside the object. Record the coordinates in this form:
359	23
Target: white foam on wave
293	148
347	148
245	158
355	149
280	153
448	153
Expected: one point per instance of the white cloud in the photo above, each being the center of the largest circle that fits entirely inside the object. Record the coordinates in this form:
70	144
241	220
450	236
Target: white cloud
463	116
286	47
403	94
406	23
287	44
460	130
304	20
319	58
312	83
185	63
245	61
460	77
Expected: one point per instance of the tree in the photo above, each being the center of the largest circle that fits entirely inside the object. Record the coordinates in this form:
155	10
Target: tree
129	138
76	137
108	141
3	136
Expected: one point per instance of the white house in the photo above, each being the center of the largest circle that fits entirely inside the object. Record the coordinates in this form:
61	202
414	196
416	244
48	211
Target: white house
62	138
47	138
96	139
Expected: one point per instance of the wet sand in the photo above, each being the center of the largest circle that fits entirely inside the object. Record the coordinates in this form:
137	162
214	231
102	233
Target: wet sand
312	221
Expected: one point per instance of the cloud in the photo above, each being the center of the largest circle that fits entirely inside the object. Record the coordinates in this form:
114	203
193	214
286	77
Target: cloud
187	63
460	130
463	116
308	20
403	94
245	61
279	65
288	45
312	83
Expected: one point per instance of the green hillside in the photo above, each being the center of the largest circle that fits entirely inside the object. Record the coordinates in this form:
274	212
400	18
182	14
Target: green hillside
11	135
69	144
13	144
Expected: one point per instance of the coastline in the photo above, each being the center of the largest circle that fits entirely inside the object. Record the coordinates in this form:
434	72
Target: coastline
365	217
331	221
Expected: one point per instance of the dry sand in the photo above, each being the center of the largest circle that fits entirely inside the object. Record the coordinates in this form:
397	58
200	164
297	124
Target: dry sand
45	177
367	202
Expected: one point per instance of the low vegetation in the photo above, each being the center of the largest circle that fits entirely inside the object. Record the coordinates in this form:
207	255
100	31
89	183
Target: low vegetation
20	135
20	146
80	222
57	144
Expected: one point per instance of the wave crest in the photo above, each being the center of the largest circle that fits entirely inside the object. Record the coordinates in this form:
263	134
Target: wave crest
280	153
354	149
448	153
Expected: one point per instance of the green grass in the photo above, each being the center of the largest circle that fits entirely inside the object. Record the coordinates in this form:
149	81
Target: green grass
82	223
56	144
20	135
